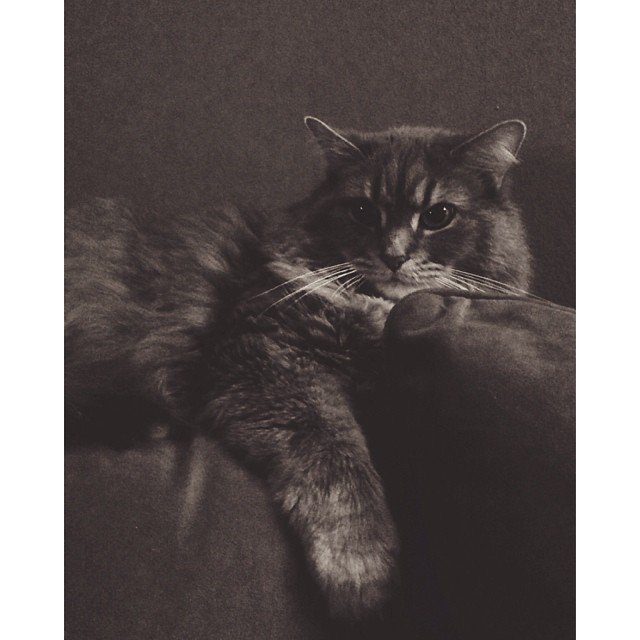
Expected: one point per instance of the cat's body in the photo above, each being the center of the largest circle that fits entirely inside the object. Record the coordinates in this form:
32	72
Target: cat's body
262	328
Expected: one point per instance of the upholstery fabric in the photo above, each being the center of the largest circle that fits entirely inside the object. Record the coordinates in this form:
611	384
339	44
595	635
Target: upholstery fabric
483	393
179	104
474	439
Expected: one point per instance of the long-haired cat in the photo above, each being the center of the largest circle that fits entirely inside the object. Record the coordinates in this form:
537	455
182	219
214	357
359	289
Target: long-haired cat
261	327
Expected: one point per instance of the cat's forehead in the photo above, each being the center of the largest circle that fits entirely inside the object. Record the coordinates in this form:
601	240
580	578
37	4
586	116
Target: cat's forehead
396	180
394	175
402	185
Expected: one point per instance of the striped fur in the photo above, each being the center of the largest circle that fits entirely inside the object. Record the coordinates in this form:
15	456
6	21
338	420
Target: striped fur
264	329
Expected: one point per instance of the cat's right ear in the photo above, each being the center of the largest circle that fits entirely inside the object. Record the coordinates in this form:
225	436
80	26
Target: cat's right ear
335	146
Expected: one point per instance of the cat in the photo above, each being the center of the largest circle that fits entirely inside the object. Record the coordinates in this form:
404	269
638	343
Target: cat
262	327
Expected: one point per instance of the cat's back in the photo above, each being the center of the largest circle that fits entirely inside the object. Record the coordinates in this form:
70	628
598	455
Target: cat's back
141	287
142	246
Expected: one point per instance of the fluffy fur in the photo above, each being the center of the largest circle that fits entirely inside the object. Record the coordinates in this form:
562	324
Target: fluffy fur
263	328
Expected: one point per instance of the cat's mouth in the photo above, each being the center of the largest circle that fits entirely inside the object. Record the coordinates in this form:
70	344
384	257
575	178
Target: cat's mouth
406	276
377	280
412	277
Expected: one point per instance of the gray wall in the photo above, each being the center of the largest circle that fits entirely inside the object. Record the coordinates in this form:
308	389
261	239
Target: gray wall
186	102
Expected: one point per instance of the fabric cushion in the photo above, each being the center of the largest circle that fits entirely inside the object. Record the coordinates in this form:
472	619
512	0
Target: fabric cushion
482	391
473	435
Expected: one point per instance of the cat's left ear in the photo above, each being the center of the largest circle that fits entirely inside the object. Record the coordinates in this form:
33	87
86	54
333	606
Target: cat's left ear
494	150
335	145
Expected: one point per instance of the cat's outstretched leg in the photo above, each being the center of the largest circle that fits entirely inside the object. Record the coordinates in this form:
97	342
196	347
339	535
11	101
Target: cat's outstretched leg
335	502
320	474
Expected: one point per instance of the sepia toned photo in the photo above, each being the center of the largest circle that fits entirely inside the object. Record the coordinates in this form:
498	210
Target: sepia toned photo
319	320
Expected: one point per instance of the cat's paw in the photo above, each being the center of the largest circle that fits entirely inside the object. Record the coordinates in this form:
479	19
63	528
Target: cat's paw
355	565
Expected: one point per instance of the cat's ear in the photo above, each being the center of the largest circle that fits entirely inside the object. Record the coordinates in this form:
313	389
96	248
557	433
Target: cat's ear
494	150
336	147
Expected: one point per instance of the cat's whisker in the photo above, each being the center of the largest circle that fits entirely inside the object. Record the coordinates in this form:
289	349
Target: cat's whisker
489	282
469	285
351	283
447	281
501	288
359	280
316	284
480	286
304	275
319	284
496	285
341	288
479	278
438	281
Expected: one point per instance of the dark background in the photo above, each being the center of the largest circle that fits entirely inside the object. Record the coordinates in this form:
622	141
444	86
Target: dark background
184	103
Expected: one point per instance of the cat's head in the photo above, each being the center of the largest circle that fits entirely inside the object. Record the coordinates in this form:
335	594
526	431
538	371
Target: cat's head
413	207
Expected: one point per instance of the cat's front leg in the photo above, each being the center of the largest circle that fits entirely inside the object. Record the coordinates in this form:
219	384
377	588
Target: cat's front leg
335	501
321	477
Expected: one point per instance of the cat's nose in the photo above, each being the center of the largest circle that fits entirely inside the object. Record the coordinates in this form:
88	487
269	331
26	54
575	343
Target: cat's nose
394	262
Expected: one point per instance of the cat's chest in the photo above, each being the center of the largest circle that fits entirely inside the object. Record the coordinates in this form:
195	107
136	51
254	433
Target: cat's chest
340	334
345	328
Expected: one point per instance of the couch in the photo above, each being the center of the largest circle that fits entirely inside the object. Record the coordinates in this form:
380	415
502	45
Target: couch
472	430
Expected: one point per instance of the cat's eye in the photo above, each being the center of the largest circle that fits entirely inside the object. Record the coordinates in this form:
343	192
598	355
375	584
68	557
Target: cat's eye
438	216
364	212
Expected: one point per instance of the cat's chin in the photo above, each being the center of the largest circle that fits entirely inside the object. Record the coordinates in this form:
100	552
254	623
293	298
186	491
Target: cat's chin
394	290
